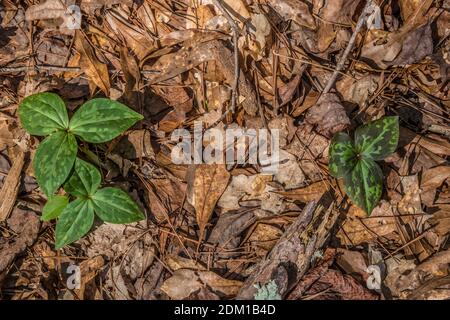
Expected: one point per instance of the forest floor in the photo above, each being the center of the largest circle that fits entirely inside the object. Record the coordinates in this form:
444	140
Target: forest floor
216	231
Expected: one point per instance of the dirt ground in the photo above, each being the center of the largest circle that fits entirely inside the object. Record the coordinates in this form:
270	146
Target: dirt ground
307	68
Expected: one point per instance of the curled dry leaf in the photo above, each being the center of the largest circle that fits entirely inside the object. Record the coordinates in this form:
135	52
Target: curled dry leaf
328	115
204	190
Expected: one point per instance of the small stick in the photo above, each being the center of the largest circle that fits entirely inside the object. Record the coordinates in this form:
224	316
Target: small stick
7	70
235	29
361	21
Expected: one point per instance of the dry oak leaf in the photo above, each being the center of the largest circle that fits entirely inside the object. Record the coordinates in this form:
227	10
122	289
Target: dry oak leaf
206	186
185	282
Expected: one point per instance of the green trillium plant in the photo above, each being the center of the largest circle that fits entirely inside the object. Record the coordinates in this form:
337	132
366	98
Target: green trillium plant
355	161
56	164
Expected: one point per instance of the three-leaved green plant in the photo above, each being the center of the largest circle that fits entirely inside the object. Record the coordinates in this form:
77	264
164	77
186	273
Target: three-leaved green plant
354	161
55	162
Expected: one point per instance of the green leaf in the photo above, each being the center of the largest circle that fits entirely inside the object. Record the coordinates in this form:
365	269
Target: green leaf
115	206
75	221
54	160
84	181
378	139
54	206
342	155
43	113
364	184
101	120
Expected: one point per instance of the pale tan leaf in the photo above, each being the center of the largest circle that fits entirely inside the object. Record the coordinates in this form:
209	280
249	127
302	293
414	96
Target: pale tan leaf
96	70
185	282
209	183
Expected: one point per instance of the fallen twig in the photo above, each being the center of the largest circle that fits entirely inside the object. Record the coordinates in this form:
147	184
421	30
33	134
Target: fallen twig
368	9
235	29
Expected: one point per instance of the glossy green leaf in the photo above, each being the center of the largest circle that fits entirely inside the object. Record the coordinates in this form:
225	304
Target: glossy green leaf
84	181
115	206
342	155
43	113
101	120
54	160
364	184
378	139
75	221
54	206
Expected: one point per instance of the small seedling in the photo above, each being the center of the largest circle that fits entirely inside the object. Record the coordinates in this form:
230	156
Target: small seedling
56	162
355	161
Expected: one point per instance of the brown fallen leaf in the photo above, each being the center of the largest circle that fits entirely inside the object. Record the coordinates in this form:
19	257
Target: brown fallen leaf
176	262
434	177
436	266
328	115
229	228
96	70
204	190
185	282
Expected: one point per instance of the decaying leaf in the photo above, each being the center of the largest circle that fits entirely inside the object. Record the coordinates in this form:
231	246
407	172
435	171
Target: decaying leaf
207	186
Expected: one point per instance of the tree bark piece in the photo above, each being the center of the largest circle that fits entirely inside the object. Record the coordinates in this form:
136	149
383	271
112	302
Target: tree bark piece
293	252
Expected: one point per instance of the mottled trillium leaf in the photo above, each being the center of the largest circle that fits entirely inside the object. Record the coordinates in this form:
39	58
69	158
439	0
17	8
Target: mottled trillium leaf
75	221
342	155
364	184
84	181
54	160
53	208
43	113
101	120
378	139
115	206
